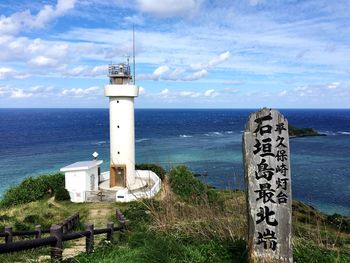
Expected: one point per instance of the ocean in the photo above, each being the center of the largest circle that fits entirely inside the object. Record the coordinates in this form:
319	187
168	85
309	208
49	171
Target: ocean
208	141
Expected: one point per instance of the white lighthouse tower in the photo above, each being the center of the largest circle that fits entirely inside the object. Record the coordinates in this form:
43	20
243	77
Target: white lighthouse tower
122	182
121	93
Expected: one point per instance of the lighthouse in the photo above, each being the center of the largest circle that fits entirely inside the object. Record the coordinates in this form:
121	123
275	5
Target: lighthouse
122	92
122	183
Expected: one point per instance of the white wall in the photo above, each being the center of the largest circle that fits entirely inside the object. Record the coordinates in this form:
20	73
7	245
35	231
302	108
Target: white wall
122	139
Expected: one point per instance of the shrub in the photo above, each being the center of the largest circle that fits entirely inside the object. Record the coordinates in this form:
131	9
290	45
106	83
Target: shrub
62	194
20	226
158	170
340	222
31	219
189	188
32	189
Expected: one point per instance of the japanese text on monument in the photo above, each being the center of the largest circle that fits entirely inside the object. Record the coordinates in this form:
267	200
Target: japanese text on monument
267	171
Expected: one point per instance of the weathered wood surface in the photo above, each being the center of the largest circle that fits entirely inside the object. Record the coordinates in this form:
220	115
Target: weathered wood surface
57	238
269	200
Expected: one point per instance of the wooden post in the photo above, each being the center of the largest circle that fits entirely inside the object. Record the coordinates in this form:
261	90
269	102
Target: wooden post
9	236
38	229
65	227
90	238
56	248
269	200
110	225
75	219
69	223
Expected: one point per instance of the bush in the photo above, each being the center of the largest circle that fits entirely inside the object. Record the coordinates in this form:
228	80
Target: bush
189	188
340	222
20	226
32	189
307	251
62	194
32	219
158	170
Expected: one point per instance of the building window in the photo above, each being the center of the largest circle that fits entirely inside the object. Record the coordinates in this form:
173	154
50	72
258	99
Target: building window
118	152
117	101
118	126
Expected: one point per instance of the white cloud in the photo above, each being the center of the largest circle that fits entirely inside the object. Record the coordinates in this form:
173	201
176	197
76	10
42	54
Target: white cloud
333	85
191	94
169	8
157	73
211	93
87	71
25	20
174	74
142	91
79	92
160	71
6	72
42	61
42	90
218	60
45	91
213	62
164	92
196	75
135	20
20	93
283	93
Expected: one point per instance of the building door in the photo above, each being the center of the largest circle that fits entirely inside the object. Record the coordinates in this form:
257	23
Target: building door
117	176
92	182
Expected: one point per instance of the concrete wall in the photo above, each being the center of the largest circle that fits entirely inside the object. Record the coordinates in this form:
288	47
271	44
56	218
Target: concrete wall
122	134
77	182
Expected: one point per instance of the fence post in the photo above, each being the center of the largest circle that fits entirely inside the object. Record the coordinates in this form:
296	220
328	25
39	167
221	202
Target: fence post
110	225
38	233
121	219
76	219
89	238
69	223
65	226
56	248
9	236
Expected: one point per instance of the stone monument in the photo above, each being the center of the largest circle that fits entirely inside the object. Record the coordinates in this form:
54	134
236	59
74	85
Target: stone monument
267	174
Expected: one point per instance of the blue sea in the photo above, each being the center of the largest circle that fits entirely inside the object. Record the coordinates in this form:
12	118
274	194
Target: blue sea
39	141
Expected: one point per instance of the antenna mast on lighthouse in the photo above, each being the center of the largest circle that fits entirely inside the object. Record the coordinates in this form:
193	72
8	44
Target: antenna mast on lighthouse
133	52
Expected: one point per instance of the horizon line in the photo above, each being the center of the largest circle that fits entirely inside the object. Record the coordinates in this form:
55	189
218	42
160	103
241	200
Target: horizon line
106	108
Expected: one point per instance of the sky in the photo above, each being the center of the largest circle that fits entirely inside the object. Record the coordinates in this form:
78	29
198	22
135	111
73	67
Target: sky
189	53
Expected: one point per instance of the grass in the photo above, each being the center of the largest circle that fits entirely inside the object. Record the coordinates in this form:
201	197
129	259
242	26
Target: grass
187	222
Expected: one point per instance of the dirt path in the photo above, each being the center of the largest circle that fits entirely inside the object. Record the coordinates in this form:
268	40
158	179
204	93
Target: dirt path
99	215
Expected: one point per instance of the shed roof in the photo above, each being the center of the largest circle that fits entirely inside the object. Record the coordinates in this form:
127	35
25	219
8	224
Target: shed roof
83	165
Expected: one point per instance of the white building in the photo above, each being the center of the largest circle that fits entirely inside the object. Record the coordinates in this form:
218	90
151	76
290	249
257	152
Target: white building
122	182
81	177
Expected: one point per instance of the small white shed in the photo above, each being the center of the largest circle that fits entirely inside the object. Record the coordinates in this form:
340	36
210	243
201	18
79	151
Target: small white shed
81	177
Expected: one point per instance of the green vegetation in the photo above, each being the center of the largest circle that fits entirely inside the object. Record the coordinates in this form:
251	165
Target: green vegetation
153	167
33	189
189	188
187	222
302	132
61	194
